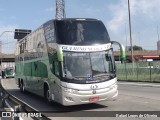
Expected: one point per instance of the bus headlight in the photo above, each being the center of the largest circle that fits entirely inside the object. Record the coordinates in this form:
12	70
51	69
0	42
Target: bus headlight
69	90
113	87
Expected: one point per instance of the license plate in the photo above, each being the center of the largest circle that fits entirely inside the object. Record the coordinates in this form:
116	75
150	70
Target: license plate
91	99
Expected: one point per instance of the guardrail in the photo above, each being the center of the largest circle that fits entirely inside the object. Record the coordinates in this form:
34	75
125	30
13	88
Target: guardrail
19	108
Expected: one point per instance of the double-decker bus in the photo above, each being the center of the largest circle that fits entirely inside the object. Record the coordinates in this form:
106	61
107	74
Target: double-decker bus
69	61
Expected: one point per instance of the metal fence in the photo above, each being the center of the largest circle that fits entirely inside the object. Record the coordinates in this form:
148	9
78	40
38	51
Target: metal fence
139	71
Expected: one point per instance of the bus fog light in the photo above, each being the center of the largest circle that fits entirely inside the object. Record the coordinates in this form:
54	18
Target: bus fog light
73	91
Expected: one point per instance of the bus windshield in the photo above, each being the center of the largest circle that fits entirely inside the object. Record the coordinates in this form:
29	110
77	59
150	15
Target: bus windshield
81	32
88	65
9	71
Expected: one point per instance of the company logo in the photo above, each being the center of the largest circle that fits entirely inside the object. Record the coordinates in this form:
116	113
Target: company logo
94	87
86	48
6	114
89	77
94	92
13	114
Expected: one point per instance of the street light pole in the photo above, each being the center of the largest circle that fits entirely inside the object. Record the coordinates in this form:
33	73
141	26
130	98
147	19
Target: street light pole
130	31
126	37
5	32
19	31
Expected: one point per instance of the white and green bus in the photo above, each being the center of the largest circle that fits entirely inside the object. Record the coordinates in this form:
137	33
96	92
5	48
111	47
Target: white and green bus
69	61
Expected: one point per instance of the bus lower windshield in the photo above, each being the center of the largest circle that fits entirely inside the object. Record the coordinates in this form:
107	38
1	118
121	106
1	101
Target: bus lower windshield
87	65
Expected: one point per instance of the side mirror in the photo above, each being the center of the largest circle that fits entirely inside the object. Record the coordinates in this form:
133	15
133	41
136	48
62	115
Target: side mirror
122	50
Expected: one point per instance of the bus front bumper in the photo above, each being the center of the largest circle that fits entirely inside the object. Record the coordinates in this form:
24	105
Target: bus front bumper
100	95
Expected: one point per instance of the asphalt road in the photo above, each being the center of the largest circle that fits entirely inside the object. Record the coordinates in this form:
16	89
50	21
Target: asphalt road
132	97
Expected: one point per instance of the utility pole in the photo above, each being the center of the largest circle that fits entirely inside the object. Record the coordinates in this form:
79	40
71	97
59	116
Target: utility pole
126	37
158	32
158	42
130	31
139	39
60	9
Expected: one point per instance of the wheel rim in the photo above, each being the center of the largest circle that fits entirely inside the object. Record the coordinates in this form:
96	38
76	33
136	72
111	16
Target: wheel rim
22	87
48	95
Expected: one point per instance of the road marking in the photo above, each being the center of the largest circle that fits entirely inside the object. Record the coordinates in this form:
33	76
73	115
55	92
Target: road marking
139	84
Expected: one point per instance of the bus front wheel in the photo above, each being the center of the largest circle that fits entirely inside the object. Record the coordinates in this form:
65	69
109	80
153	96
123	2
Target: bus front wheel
47	94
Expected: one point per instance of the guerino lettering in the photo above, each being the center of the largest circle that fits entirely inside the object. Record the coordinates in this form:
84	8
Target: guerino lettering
85	48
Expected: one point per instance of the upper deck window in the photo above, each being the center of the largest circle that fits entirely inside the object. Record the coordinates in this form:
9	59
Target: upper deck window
84	32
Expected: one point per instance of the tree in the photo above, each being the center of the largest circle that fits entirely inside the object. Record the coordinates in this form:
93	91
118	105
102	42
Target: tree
135	47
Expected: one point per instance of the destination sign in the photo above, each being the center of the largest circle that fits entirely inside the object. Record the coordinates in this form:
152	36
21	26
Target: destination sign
86	48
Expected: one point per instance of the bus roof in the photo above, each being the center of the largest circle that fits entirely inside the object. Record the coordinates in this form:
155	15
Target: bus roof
73	19
98	32
78	31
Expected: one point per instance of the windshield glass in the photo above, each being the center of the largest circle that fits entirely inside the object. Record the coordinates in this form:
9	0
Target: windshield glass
9	71
87	65
76	32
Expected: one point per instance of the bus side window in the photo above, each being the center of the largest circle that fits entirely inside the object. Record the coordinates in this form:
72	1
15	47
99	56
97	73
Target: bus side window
108	60
55	68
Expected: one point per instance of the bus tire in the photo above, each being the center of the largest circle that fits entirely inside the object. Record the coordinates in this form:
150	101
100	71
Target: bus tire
47	94
22	89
